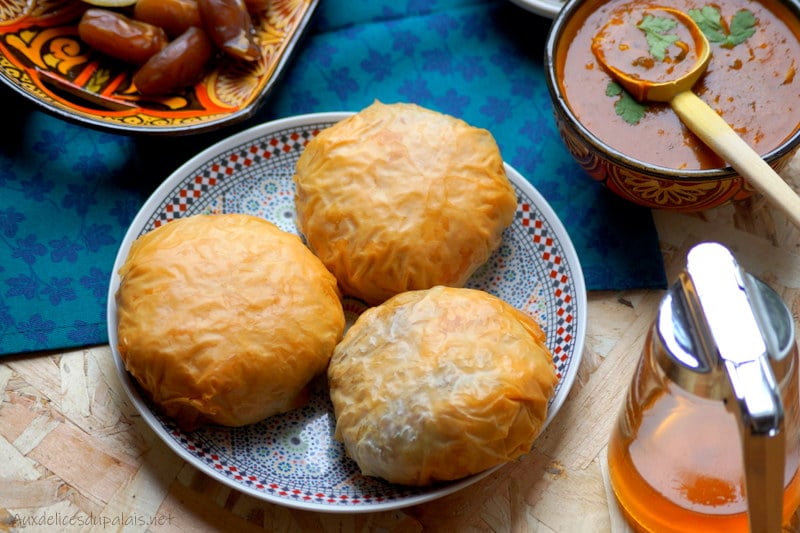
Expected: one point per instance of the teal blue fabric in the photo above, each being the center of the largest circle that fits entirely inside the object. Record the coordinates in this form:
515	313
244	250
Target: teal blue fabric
68	193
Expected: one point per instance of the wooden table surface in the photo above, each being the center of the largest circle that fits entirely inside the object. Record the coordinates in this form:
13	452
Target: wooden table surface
73	449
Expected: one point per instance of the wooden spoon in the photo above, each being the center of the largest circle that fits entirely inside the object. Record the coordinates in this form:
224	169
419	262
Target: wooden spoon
647	78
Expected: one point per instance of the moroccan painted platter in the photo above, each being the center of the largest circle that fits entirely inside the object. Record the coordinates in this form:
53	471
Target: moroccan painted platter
292	459
42	58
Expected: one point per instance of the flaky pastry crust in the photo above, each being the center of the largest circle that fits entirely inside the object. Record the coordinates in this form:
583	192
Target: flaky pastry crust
225	318
435	385
398	197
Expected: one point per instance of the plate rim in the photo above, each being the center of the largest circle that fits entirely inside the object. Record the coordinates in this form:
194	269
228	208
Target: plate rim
144	214
545	8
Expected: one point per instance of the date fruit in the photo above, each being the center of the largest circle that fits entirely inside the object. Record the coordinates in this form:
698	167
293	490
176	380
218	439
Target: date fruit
230	27
179	64
174	16
121	37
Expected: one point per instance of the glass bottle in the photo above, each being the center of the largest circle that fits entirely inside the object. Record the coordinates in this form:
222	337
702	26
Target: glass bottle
709	437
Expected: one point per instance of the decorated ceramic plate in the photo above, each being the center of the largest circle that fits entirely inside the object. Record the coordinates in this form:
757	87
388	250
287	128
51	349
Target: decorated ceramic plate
545	8
292	459
42	58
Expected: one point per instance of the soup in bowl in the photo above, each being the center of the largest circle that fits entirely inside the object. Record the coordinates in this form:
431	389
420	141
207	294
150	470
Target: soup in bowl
641	150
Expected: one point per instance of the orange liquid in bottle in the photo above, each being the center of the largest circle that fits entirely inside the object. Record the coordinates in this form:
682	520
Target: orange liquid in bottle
683	470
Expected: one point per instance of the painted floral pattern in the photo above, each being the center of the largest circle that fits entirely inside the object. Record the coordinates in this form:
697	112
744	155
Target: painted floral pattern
60	221
68	193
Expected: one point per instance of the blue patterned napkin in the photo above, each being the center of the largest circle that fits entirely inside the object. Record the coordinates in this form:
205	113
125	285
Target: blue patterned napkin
68	193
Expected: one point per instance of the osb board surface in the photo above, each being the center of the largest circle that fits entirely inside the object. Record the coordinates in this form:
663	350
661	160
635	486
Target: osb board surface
74	451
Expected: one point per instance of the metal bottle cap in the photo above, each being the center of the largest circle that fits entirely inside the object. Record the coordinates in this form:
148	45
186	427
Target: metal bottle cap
745	313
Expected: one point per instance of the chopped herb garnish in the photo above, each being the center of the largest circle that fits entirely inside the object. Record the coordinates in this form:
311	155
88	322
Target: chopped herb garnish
659	39
656	31
743	26
709	19
626	107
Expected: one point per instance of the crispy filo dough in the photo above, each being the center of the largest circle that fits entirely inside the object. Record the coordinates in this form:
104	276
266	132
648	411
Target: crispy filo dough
225	318
435	385
398	197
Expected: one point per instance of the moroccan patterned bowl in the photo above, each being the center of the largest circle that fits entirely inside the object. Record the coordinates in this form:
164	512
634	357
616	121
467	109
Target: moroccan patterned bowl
43	59
637	179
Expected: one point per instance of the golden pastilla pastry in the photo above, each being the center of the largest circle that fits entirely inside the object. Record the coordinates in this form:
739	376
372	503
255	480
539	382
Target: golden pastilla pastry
225	318
399	197
438	384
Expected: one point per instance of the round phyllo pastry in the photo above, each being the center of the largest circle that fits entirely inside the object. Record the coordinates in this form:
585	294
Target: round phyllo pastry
225	318
438	384
398	197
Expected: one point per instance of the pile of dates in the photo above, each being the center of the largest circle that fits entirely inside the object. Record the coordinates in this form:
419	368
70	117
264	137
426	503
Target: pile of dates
172	41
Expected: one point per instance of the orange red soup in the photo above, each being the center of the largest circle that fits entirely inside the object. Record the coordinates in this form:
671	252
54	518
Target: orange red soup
752	84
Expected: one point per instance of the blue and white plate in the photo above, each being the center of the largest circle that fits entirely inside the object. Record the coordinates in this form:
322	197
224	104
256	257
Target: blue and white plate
292	459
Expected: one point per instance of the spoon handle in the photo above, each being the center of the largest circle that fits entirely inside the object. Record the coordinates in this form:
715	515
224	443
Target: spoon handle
720	137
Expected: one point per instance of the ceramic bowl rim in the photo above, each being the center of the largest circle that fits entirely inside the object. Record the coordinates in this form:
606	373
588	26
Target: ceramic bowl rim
618	158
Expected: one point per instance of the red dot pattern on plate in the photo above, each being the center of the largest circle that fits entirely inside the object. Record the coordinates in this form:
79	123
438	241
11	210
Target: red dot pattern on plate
231	163
560	282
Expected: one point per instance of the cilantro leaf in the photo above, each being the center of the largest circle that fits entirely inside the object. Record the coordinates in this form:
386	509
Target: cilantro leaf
626	107
655	30
709	21
613	89
743	26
